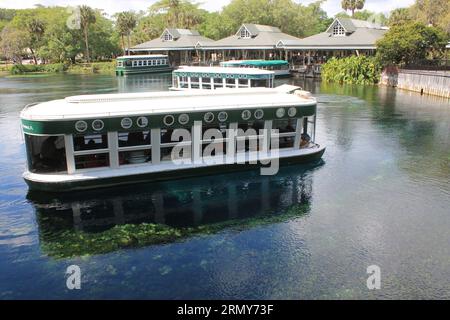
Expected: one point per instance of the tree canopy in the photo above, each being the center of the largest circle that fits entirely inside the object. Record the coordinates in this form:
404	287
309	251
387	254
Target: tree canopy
409	43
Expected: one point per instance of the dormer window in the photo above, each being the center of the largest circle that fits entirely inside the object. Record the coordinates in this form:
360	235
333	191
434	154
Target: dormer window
244	34
167	36
338	30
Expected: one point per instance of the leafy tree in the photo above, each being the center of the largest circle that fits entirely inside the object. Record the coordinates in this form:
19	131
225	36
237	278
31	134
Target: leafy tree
432	12
352	5
409	43
125	23
179	13
87	17
399	16
291	17
13	43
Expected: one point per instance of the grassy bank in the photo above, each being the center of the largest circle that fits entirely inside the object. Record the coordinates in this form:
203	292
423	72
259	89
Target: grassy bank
85	68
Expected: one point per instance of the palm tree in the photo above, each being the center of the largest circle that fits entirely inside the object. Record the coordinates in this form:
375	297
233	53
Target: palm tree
125	23
36	29
179	13
352	5
87	17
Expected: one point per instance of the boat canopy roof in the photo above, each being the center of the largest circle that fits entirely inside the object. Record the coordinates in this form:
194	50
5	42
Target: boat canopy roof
208	71
146	56
257	63
129	104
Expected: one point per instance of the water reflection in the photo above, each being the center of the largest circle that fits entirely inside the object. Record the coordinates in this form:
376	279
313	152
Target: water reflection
144	82
169	211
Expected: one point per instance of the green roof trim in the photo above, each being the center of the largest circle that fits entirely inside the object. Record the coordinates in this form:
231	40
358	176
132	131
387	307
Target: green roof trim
258	63
184	73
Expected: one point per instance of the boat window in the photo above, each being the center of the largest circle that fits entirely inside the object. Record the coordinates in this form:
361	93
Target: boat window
218	83
286	129
230	83
175	144
195	83
128	63
90	161
90	142
248	134
206	83
135	156
140	63
308	132
136	138
119	63
46	154
243	83
184	82
214	139
260	83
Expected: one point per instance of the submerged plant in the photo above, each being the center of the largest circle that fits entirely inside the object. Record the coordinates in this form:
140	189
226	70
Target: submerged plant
70	243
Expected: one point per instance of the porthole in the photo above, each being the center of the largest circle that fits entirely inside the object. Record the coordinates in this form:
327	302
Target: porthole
169	120
222	116
246	115
292	112
280	112
81	126
142	122
98	125
259	114
183	118
208	117
126	123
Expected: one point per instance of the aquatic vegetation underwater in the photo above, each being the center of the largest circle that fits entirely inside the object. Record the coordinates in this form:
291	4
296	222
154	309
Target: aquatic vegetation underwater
71	243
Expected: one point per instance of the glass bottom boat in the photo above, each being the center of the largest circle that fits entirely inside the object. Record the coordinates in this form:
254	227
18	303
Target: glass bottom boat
142	64
96	141
279	67
212	78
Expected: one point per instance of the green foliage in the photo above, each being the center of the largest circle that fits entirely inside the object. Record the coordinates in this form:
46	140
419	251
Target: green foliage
108	67
410	42
352	5
352	70
32	68
291	17
366	15
435	13
72	243
125	23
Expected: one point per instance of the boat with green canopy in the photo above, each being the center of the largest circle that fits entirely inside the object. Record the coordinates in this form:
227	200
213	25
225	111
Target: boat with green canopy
280	67
153	63
211	78
93	141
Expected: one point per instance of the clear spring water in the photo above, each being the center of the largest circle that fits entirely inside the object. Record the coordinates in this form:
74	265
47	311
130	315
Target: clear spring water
381	197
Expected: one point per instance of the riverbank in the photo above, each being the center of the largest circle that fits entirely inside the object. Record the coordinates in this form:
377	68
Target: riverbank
107	67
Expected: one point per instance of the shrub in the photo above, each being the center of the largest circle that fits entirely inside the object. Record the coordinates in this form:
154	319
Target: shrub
352	70
44	68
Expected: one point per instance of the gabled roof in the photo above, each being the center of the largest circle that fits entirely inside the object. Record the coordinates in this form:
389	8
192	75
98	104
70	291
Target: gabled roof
350	25
262	37
183	39
359	35
177	33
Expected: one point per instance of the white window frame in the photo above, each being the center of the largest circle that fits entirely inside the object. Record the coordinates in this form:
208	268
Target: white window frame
338	30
